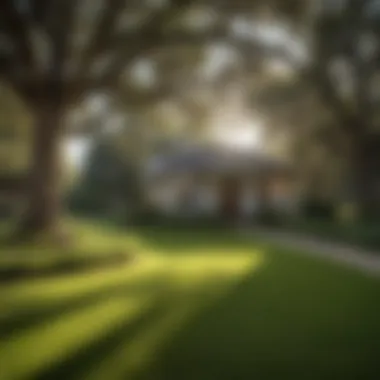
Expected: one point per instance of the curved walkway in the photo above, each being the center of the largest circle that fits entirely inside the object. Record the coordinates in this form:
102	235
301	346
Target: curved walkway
363	260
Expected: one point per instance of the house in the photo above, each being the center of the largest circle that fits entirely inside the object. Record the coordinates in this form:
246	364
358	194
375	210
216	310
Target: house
217	182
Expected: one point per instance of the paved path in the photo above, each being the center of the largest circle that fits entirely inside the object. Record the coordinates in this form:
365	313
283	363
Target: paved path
365	261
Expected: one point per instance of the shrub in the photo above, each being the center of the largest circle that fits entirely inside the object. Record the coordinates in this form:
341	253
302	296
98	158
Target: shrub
318	209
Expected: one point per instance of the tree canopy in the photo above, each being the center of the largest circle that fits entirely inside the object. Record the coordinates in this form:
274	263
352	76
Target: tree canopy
148	53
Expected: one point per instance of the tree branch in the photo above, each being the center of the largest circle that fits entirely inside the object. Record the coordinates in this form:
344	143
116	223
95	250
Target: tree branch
151	36
347	120
60	35
102	37
364	108
39	10
18	28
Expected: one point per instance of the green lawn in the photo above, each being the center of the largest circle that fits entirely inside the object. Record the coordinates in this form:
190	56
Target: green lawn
195	306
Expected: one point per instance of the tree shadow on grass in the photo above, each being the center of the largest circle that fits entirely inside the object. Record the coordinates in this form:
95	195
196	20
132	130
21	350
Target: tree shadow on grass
34	317
77	365
122	337
157	320
64	267
129	350
193	352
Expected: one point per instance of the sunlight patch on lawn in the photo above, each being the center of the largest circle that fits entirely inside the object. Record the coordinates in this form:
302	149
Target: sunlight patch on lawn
153	270
138	354
37	348
72	287
206	280
203	268
183	283
204	264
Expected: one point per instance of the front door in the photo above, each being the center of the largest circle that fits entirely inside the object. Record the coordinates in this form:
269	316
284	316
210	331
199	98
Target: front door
230	198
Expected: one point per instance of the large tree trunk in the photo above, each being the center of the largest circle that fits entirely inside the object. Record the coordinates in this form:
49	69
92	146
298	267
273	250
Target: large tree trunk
43	211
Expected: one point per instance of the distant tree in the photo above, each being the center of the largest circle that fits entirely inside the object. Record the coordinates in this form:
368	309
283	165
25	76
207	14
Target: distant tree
109	184
331	102
346	71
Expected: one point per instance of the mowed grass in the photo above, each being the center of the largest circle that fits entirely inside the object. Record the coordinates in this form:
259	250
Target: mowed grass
195	305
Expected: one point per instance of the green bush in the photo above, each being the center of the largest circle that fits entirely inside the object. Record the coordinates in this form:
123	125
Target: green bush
318	209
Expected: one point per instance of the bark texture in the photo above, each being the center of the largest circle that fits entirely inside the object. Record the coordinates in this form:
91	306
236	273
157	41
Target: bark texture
44	193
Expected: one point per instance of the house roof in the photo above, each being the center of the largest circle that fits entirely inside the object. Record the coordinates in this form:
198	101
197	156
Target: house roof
206	160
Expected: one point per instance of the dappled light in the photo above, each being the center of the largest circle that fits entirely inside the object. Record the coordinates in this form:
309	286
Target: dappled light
194	297
56	319
189	189
50	342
